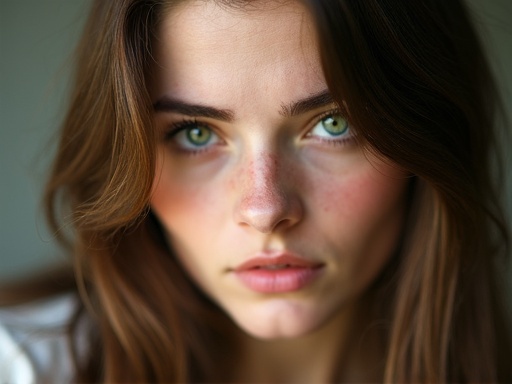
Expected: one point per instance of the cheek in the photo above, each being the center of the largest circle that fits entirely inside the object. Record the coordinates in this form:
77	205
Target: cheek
362	220
187	213
181	203
363	210
363	194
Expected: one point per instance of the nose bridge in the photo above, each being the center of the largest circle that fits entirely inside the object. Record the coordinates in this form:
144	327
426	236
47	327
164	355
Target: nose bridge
266	198
263	175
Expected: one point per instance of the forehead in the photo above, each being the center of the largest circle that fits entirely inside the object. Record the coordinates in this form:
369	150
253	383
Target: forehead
221	19
209	45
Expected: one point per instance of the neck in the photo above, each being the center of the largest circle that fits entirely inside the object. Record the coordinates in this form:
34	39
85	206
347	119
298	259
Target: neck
344	349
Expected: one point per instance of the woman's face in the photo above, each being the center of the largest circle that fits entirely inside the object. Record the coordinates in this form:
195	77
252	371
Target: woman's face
268	201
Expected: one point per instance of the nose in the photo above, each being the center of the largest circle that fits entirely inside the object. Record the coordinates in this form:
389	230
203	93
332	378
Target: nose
268	200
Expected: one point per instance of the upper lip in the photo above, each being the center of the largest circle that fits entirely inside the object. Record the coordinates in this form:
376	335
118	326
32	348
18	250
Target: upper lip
281	258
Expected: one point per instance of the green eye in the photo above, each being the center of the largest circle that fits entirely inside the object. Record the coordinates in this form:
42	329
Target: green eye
199	135
334	125
192	136
332	128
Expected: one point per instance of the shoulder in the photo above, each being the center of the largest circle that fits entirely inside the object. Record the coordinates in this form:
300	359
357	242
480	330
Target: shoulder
33	341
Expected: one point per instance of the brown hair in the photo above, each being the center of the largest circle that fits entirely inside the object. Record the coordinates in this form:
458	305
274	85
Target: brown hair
420	92
415	83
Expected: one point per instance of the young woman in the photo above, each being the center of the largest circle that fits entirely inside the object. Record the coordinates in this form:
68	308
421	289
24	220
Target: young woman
281	191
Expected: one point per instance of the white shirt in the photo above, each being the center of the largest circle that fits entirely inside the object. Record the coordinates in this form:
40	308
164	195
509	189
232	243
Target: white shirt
33	343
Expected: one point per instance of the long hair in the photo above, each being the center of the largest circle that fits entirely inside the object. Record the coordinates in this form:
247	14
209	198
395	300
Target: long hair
414	82
420	92
144	316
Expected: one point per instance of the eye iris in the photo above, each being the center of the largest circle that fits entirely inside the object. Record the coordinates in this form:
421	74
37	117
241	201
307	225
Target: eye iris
335	125
199	135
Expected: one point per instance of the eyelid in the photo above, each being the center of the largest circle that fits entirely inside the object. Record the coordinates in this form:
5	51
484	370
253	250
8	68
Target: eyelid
334	111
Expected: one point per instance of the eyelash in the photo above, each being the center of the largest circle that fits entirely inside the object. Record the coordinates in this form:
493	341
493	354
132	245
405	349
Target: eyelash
188	123
180	126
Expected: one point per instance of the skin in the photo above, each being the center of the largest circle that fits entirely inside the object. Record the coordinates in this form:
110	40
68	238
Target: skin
267	181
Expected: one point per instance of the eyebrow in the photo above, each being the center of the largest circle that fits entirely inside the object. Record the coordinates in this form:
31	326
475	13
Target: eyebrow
166	104
307	104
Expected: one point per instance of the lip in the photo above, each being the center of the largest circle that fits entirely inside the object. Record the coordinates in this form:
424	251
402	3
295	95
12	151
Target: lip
277	273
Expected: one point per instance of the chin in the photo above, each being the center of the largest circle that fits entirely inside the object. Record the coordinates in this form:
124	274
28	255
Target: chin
278	320
270	332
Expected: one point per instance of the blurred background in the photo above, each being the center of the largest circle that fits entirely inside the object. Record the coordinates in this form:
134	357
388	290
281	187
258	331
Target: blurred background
37	38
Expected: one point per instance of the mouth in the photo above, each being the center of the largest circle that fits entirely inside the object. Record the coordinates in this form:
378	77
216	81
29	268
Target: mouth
274	267
277	273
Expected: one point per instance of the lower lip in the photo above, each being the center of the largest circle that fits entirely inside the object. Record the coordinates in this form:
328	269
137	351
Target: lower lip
278	280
